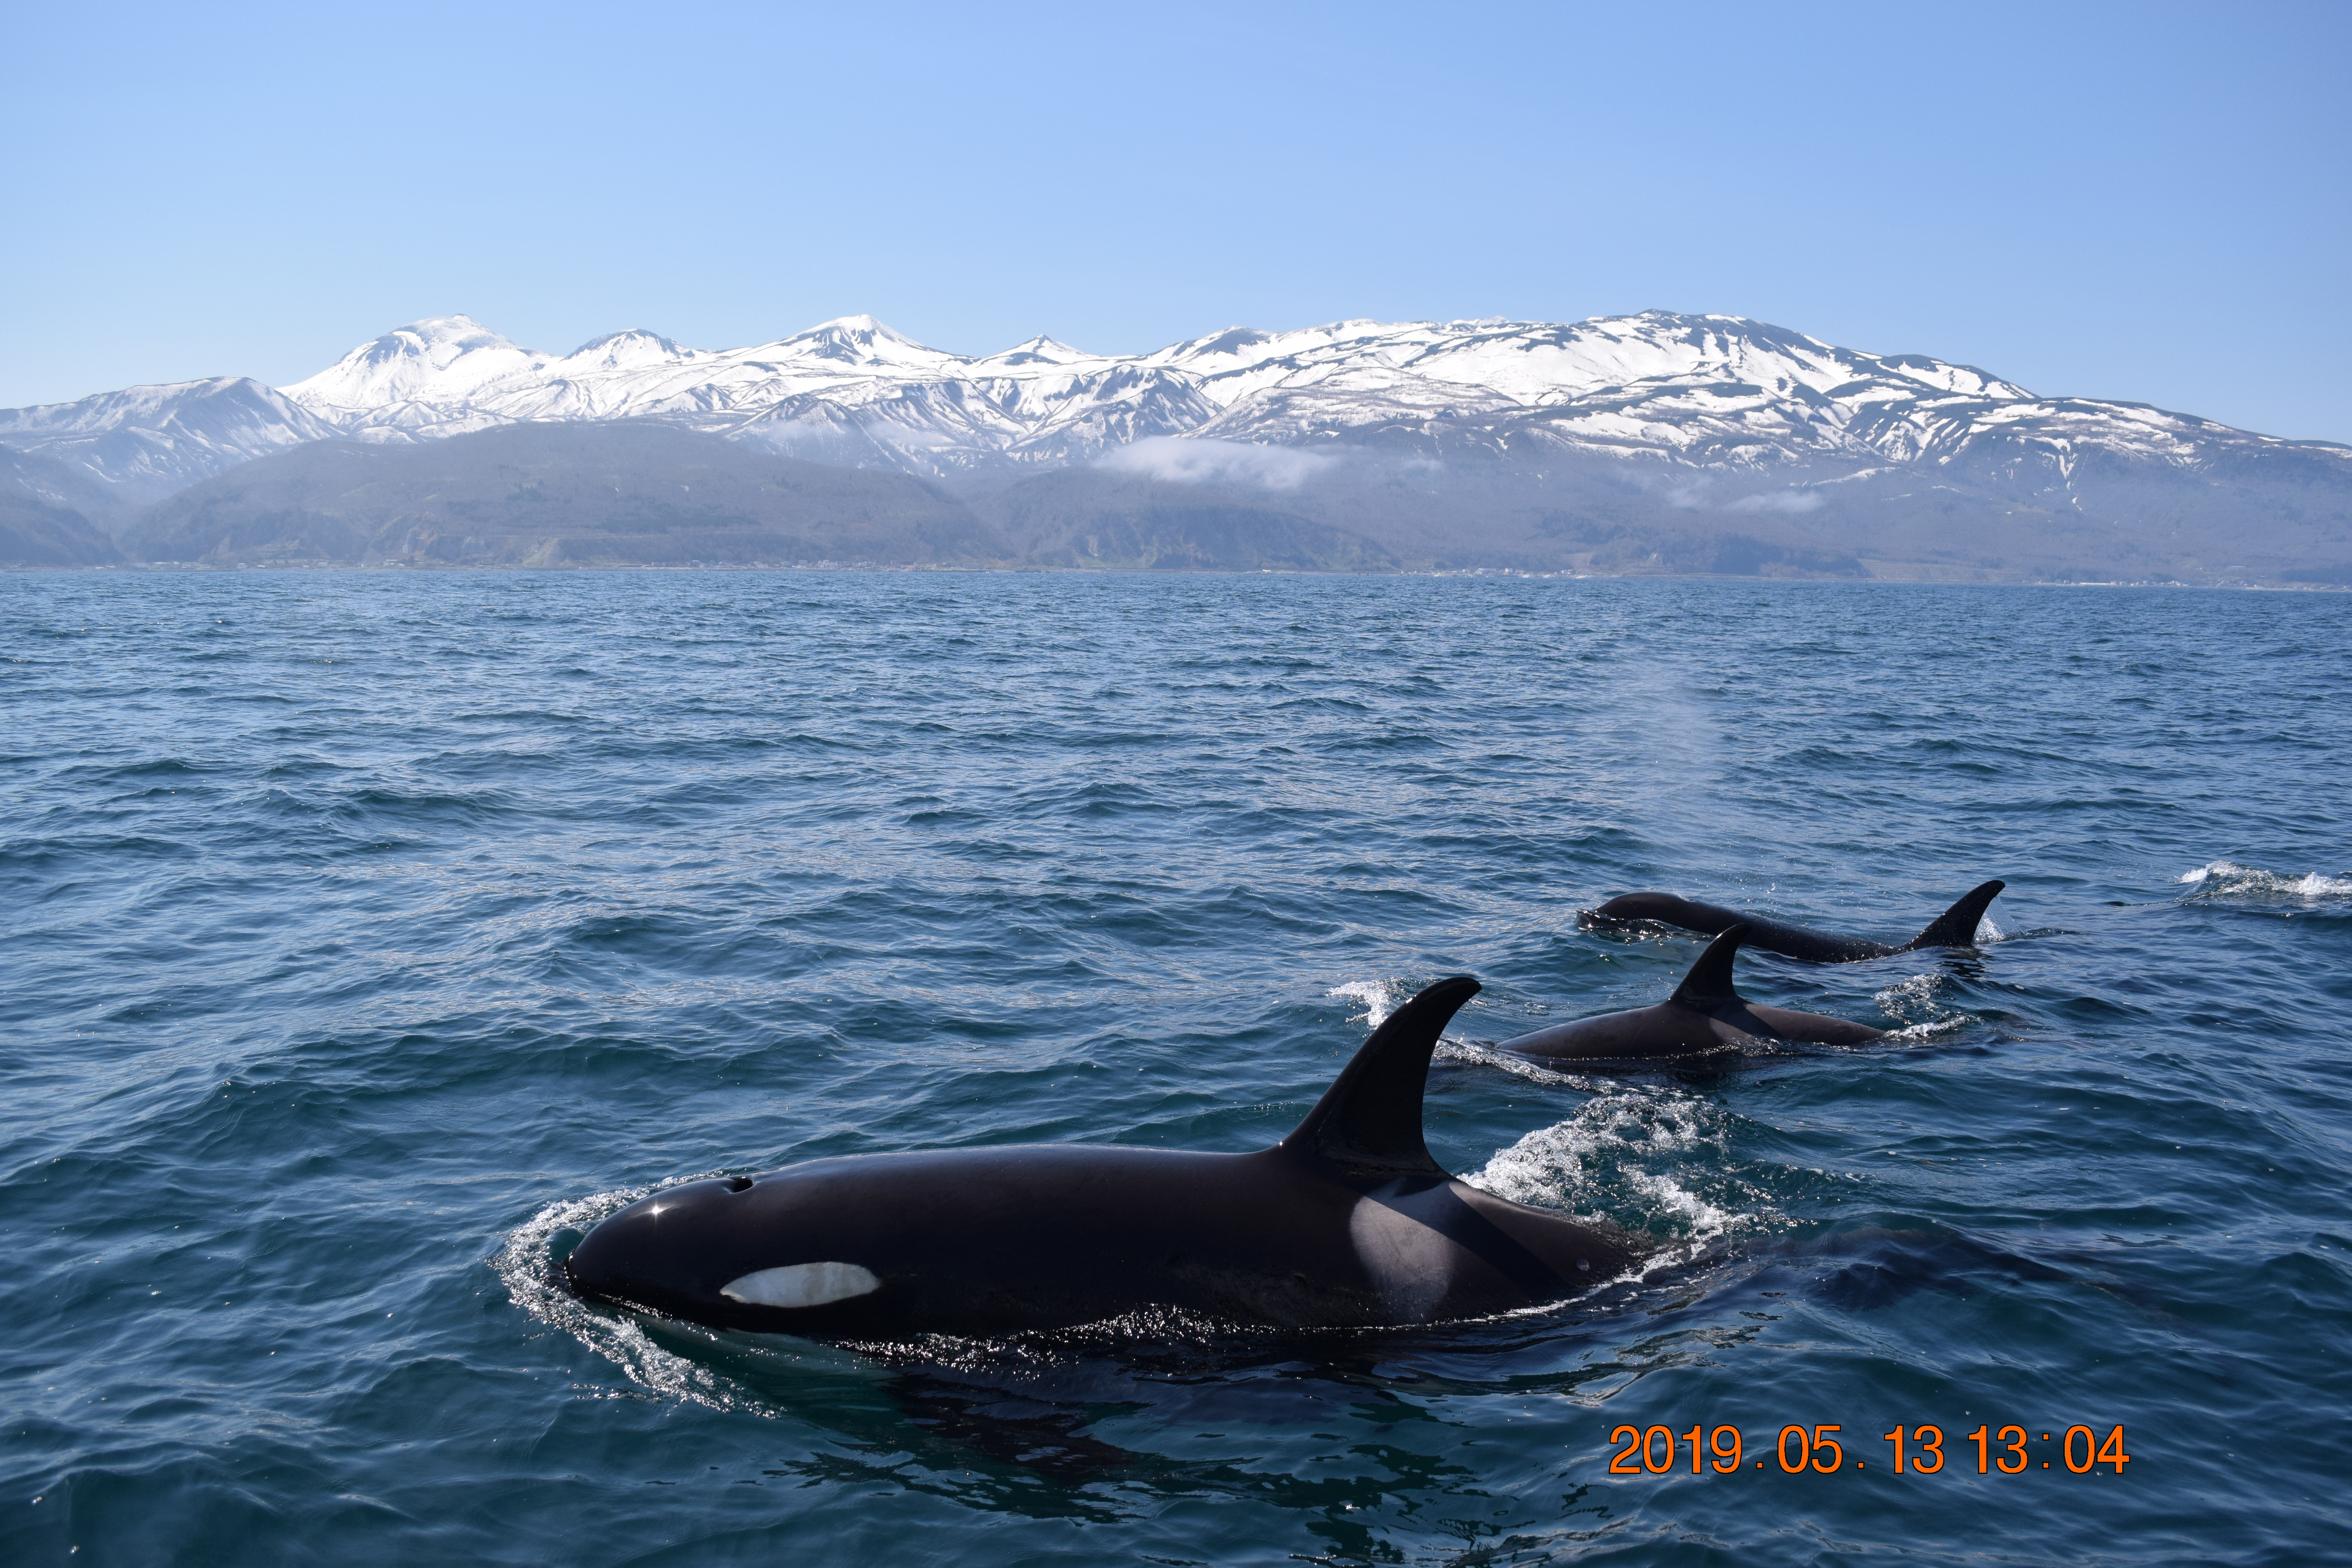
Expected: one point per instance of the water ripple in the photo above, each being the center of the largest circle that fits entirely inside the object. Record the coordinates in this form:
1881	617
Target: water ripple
368	935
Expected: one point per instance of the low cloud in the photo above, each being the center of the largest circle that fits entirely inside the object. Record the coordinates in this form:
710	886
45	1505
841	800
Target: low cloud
1790	502
1702	497
1194	460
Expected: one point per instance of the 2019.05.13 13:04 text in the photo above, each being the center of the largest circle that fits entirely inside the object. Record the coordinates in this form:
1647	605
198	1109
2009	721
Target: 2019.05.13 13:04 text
1821	1449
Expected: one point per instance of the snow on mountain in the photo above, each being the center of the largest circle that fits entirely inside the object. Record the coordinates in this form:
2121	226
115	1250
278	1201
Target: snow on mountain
151	441
1703	388
423	378
1711	391
1708	390
1716	391
851	388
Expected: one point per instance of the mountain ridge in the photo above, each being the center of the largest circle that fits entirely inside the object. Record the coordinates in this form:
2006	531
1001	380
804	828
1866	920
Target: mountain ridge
1654	427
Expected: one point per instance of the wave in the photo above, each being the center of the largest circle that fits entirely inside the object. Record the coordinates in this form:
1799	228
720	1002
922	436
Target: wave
1625	1156
2227	879
531	1264
1379	997
1918	1001
1527	1067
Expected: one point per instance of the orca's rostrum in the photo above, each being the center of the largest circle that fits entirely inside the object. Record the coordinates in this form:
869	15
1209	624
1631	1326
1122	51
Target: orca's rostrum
1348	1222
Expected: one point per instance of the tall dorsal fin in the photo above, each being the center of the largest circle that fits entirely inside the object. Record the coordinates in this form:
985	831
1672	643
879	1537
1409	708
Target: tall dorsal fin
1708	983
1956	927
1369	1118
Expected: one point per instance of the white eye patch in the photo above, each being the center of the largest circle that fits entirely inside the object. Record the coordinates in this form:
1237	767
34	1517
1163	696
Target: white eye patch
802	1285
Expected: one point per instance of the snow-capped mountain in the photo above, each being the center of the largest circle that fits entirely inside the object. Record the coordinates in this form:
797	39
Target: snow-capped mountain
1705	389
1756	412
1719	392
425	378
850	388
151	441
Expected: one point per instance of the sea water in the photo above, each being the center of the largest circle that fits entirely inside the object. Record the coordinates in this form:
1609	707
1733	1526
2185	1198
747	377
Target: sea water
367	936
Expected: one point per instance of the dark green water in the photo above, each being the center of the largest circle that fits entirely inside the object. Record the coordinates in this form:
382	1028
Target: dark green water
366	935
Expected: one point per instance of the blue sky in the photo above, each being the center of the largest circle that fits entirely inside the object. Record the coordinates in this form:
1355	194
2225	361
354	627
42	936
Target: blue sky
2143	202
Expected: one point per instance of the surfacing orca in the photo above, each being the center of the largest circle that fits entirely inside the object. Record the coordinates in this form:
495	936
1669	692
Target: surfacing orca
1956	927
1704	1023
1348	1222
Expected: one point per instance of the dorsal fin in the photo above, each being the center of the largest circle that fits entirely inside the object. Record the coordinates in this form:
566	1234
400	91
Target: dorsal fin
1708	983
1956	927
1369	1118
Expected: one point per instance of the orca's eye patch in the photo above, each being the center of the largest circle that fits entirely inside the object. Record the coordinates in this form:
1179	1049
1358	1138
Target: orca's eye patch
802	1285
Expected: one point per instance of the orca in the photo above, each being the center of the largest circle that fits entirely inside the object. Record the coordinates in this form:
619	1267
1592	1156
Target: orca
1956	927
1347	1223
1706	1023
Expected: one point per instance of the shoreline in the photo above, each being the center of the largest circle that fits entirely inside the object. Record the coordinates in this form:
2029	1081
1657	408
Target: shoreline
195	568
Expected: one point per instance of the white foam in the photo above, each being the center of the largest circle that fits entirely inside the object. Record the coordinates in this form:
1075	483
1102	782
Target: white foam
1917	990
1931	1029
1379	997
527	1265
1517	1065
1623	1155
1919	1002
1703	1217
2227	879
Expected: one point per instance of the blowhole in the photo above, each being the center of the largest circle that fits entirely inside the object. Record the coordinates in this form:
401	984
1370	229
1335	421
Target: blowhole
738	1183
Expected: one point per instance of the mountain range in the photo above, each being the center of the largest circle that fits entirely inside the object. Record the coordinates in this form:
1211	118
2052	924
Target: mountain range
1649	443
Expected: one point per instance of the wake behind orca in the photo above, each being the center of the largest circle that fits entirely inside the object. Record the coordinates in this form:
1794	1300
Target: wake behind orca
1348	1222
1956	927
1707	1023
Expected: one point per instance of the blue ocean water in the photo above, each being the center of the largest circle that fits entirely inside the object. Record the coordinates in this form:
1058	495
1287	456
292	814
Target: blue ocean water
366	935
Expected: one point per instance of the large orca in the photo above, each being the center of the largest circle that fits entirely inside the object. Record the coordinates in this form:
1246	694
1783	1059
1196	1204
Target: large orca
1956	927
1706	1022
1347	1222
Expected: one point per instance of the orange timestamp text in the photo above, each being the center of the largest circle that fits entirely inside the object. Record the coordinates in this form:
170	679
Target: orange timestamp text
1819	1450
